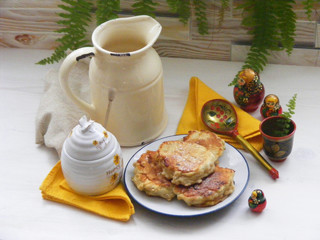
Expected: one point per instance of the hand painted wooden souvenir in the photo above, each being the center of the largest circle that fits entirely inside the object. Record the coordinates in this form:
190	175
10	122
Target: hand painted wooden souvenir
271	106
249	91
257	201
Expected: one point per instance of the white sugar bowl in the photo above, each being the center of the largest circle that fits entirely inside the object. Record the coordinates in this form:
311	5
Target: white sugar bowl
91	159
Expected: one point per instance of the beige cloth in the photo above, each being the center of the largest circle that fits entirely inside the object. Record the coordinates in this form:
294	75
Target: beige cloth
57	114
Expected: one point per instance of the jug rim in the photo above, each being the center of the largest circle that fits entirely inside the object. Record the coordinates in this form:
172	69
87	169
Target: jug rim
102	26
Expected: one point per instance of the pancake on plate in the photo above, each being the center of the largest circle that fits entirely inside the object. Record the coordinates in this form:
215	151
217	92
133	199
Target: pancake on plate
208	139
148	178
186	163
213	189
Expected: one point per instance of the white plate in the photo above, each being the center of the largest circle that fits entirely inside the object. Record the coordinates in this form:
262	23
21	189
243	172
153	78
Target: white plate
231	158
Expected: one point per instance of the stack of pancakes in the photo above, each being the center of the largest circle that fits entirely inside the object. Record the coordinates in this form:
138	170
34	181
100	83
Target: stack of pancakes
186	168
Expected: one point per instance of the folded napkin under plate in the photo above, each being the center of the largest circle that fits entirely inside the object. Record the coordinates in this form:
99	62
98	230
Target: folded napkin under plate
114	204
199	94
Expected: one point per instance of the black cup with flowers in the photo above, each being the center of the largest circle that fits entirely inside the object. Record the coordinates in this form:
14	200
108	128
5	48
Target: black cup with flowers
278	133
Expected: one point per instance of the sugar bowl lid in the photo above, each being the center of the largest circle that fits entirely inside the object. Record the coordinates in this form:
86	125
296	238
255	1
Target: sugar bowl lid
89	141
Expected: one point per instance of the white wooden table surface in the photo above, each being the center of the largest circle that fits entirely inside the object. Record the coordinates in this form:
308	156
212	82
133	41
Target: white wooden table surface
292	211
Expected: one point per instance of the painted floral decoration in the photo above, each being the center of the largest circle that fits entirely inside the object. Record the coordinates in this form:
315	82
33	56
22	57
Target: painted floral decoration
116	159
114	177
105	134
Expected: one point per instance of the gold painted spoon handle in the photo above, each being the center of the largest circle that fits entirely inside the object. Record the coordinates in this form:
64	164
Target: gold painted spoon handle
272	171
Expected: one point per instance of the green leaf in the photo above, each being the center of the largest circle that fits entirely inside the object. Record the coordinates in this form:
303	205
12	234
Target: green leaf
223	7
107	10
291	107
309	6
200	7
145	7
272	26
182	8
75	19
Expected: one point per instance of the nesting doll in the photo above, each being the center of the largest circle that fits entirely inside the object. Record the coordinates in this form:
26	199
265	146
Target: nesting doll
257	202
248	91
271	106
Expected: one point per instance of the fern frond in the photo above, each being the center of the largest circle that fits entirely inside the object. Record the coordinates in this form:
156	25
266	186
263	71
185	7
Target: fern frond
283	124
146	7
223	7
58	54
272	25
173	5
75	20
286	23
182	8
200	7
256	60
107	10
308	7
264	30
235	79
291	106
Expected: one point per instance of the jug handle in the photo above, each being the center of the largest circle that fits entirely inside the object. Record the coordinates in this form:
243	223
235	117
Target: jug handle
66	66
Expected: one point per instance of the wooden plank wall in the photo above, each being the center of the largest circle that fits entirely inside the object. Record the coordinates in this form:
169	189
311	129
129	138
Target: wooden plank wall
31	24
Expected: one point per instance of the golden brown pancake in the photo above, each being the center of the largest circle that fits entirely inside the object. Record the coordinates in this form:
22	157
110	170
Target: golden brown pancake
186	168
148	178
212	190
186	163
207	139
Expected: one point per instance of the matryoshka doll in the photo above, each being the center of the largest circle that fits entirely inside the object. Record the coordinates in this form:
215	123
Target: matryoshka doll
271	106
249	91
257	201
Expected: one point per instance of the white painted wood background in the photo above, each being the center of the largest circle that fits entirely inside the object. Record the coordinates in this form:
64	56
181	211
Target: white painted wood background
31	24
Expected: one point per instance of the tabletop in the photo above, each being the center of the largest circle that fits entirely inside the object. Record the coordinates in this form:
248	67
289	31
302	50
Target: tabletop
292	210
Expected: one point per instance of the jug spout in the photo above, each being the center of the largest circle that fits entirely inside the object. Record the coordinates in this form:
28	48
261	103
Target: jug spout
126	36
151	28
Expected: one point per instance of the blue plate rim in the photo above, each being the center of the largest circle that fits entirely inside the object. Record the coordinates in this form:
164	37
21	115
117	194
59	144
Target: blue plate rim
177	215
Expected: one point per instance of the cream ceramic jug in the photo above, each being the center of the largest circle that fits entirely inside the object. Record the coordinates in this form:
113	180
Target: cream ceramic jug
126	71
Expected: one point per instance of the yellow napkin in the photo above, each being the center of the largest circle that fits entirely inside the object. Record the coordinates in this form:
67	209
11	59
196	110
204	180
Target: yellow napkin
199	94
114	204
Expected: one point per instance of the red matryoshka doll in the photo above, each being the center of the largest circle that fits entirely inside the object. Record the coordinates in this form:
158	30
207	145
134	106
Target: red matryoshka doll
257	201
271	106
249	91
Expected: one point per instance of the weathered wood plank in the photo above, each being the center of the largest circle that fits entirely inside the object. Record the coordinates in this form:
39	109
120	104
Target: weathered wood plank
125	5
305	33
301	12
299	56
162	6
34	20
317	45
29	4
173	29
27	31
232	31
298	9
32	24
34	40
193	49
